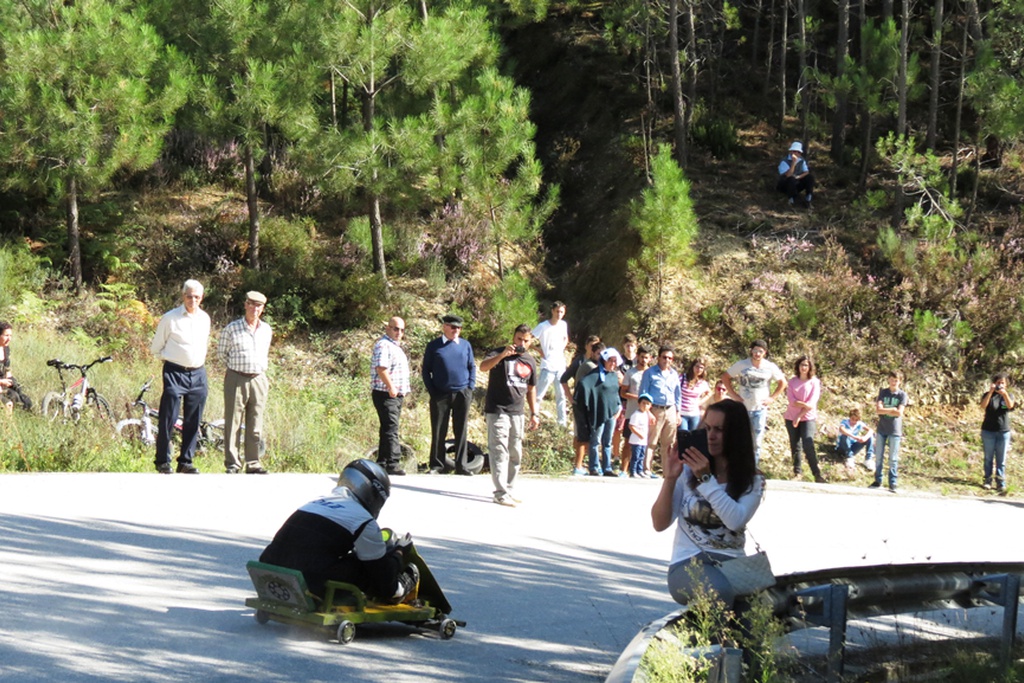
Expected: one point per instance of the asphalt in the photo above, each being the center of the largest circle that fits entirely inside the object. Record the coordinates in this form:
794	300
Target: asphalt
141	577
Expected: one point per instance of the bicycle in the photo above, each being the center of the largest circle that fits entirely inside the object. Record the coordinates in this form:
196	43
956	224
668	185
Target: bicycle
72	400
144	429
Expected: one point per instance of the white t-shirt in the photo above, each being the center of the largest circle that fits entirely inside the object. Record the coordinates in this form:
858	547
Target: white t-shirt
642	422
754	385
552	339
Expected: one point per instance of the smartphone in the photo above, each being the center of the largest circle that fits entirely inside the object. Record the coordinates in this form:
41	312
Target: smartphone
698	439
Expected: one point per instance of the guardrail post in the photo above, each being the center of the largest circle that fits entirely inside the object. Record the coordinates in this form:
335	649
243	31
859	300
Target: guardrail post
833	614
1007	596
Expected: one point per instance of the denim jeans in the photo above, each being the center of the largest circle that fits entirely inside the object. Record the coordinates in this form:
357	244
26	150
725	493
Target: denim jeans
997	445
893	440
801	435
601	437
636	462
848	447
689	422
550	378
758	421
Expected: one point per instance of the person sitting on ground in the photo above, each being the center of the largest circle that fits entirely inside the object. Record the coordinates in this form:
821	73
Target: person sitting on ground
855	436
711	497
10	390
336	538
795	177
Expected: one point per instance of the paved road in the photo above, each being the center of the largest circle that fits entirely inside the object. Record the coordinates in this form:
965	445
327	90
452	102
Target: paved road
134	577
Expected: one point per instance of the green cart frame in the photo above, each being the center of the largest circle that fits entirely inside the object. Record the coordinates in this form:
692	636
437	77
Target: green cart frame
282	595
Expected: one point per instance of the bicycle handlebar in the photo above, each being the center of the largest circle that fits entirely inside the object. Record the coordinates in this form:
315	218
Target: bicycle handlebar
142	392
61	365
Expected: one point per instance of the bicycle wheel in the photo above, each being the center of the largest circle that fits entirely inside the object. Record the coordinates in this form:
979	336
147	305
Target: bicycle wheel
53	405
101	406
133	430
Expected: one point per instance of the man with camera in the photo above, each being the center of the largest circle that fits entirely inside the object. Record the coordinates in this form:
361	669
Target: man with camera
511	381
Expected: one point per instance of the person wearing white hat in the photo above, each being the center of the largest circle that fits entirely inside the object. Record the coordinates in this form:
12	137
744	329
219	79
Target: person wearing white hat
598	393
795	177
244	347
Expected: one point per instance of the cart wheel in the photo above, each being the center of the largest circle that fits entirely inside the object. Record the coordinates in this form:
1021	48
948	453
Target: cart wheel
262	617
346	632
446	628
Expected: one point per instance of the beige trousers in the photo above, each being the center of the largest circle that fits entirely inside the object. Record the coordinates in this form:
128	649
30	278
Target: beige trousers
245	398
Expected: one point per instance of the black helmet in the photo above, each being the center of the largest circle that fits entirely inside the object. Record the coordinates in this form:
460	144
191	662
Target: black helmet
368	482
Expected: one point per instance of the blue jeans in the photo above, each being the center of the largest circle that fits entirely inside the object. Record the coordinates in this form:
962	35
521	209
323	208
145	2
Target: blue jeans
636	462
758	421
550	378
894	457
997	445
601	437
689	422
848	448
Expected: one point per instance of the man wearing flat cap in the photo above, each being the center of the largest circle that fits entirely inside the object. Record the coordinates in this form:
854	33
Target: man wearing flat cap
245	350
449	375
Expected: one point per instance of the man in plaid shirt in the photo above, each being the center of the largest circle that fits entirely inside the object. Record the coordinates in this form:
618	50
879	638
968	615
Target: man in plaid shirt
389	383
244	348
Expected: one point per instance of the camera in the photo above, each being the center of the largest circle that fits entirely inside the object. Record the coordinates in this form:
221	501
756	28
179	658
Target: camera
698	439
520	350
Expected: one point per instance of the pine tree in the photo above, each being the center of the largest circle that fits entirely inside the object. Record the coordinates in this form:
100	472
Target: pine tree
86	89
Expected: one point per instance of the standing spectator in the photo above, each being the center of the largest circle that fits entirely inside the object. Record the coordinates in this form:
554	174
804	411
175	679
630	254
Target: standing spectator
10	390
795	176
755	376
389	385
721	392
598	394
695	390
890	405
628	354
853	436
244	347
995	429
661	381
449	374
181	341
629	390
803	392
639	425
553	336
512	378
580	367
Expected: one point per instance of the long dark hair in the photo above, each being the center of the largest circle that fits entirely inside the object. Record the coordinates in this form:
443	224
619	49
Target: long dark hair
738	446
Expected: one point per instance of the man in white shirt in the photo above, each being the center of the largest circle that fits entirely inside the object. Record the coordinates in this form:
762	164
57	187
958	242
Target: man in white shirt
244	347
181	340
552	336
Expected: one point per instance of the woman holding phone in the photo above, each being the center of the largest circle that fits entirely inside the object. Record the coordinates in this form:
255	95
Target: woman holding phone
711	496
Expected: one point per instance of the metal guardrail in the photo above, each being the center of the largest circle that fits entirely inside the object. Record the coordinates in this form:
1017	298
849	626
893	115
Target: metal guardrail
832	597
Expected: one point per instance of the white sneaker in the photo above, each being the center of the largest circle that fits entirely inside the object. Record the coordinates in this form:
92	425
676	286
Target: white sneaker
851	464
869	465
504	500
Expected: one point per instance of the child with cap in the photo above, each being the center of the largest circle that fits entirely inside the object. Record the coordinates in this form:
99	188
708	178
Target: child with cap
639	424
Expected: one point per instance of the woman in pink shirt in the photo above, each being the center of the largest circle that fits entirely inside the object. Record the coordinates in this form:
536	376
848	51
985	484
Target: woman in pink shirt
803	392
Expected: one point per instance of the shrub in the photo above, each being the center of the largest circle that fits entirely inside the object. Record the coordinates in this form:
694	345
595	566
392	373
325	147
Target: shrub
21	273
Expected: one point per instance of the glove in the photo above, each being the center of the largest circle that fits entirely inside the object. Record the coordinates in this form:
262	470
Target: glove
404	542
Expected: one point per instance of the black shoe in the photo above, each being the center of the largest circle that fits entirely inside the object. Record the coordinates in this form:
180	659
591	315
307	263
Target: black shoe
186	468
464	473
258	469
875	485
164	468
233	470
395	471
409	579
434	470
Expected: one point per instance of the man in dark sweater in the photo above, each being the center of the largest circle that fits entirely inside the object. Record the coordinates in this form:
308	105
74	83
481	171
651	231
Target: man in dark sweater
449	375
511	381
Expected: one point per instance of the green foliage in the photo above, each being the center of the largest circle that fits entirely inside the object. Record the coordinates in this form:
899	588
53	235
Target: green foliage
510	303
716	134
21	275
664	218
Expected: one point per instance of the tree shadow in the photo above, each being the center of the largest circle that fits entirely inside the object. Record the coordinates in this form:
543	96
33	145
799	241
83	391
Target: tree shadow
113	600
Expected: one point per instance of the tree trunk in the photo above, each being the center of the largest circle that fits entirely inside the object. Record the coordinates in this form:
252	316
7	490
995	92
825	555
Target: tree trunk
334	101
974	21
901	77
691	68
769	59
678	105
254	208
74	245
839	118
755	43
783	51
935	76
373	199
865	147
954	169
802	96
